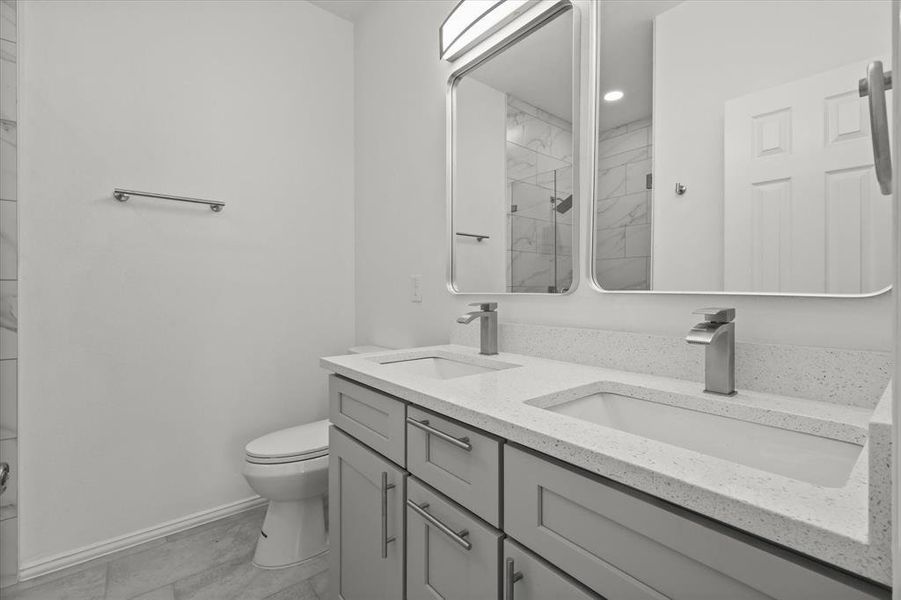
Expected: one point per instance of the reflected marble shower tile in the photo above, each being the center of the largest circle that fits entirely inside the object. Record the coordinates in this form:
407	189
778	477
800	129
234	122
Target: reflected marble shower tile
163	593
552	172
531	200
546	238
636	176
8	81
521	162
638	240
623	273
564	239
8	20
612	133
524	234
9	319
8	160
610	243
623	143
564	273
531	270
9	453
622	211
8	240
629	156
8	399
612	182
562	145
639	124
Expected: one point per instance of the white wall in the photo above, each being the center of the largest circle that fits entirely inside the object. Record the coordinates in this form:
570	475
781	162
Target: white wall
156	337
758	45
400	229
481	196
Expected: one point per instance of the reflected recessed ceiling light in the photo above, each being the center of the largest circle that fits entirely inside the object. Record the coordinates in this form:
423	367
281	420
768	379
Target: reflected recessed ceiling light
613	95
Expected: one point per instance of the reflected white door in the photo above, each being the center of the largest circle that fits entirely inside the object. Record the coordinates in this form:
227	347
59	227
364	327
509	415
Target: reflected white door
802	208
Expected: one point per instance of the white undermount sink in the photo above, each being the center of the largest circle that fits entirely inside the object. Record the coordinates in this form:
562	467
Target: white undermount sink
436	367
802	456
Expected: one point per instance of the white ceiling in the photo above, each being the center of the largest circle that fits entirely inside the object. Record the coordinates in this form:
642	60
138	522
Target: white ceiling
537	69
351	10
627	58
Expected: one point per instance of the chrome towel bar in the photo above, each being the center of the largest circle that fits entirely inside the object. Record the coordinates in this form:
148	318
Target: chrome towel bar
478	236
123	195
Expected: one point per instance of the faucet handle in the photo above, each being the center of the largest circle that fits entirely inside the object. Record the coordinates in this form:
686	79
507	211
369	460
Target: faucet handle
485	306
716	315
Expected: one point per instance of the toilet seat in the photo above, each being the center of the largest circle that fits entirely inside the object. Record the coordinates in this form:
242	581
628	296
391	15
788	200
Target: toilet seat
303	442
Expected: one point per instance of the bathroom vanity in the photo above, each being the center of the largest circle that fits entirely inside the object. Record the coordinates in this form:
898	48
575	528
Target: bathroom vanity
456	475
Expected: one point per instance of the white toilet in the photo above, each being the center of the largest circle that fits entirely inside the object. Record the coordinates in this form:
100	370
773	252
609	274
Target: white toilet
290	468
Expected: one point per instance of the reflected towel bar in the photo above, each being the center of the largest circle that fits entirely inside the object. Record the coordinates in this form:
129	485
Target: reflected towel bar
123	195
479	237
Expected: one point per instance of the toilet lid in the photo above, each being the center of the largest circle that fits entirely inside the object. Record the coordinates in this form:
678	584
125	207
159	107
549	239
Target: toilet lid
294	442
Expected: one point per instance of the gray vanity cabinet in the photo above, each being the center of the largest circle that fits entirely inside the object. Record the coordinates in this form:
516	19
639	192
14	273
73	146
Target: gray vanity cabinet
625	544
527	577
451	554
366	522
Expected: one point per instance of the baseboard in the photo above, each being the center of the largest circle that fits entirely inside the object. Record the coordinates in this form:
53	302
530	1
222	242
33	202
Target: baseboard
57	562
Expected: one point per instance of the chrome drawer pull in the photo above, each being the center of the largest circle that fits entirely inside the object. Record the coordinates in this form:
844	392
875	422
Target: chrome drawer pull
462	442
457	537
385	539
510	577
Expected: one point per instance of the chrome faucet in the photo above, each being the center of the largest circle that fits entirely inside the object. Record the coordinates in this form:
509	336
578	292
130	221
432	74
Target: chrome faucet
717	332
488	314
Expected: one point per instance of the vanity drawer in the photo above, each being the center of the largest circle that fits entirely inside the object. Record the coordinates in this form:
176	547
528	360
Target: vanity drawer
457	460
533	579
372	417
439	565
625	544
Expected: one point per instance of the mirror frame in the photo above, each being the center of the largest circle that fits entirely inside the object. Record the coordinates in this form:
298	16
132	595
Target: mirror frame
595	32
529	22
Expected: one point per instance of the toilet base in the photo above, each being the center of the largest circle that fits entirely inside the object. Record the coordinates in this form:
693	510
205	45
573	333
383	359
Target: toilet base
292	532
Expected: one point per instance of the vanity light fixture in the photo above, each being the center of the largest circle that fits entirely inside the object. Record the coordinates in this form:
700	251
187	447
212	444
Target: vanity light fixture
471	21
613	96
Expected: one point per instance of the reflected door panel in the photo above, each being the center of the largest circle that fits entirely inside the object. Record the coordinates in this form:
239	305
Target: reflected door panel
802	212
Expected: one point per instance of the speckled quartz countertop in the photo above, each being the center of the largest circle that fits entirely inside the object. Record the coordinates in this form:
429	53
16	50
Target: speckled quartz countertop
846	526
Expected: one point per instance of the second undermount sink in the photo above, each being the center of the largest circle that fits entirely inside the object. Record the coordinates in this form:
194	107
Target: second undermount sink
435	367
802	456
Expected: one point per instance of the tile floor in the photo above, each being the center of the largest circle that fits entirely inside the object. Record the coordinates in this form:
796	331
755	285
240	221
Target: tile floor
209	562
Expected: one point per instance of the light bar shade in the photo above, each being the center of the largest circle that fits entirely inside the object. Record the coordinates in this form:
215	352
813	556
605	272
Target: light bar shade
471	21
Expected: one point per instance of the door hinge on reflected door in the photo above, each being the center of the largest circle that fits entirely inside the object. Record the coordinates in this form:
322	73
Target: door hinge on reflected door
649	181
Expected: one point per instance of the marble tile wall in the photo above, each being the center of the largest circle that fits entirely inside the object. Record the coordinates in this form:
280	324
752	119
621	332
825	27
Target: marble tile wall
539	168
622	223
8	292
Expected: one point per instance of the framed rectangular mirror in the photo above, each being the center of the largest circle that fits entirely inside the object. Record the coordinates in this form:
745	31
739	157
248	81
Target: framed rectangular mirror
733	150
512	175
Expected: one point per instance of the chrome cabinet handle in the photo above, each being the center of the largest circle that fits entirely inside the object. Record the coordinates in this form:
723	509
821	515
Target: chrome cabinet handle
457	537
510	577
874	85
462	442
385	539
4	476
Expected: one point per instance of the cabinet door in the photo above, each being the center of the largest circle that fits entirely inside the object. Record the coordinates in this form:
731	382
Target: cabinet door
366	519
527	577
451	554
